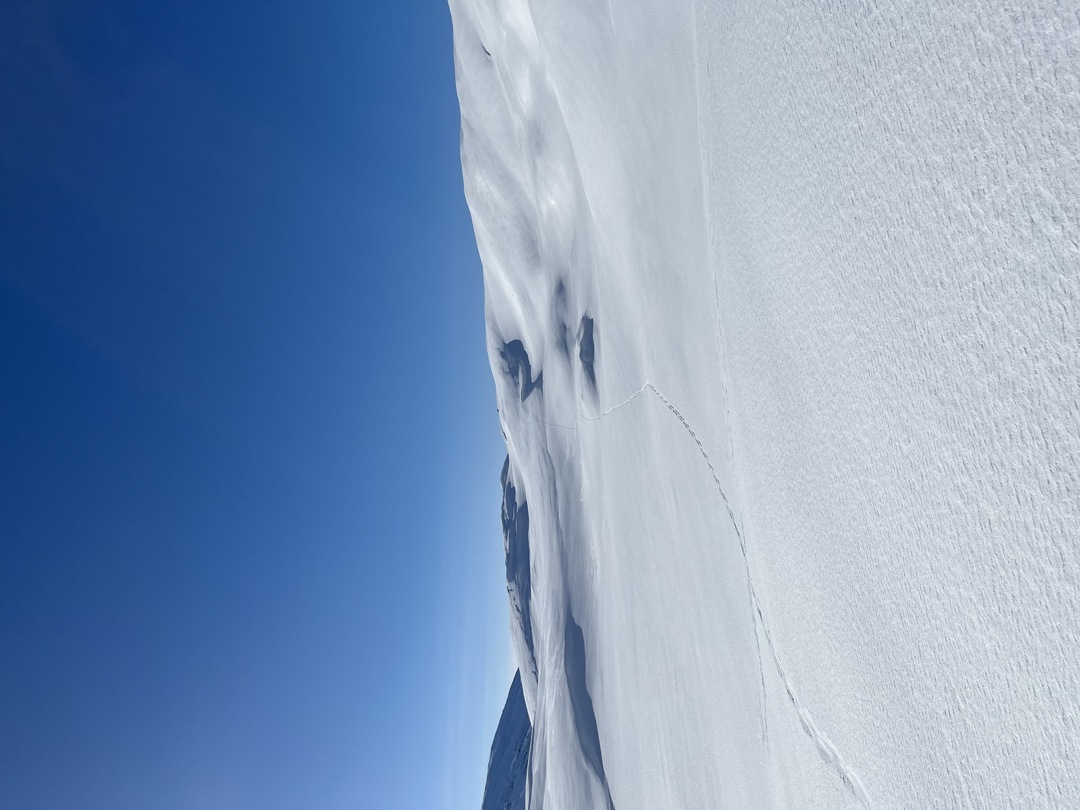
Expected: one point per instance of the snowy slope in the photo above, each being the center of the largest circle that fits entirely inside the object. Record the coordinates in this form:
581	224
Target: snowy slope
782	311
509	761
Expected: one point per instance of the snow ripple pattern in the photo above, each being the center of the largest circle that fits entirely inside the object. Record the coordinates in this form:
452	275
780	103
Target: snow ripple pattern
875	208
825	747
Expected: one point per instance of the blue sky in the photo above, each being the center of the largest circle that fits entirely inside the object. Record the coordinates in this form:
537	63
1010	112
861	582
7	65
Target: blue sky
249	456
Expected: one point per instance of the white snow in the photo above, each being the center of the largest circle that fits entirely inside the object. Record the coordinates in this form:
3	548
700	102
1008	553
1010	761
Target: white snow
813	539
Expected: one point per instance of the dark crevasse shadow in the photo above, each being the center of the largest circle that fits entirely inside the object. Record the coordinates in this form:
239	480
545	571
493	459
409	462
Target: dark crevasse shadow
587	350
562	331
515	525
581	702
520	370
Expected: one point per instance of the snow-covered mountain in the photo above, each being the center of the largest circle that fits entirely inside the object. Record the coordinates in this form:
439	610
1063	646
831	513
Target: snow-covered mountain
782	306
508	764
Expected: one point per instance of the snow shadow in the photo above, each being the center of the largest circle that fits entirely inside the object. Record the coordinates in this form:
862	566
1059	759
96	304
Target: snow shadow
562	331
581	702
587	350
520	370
515	526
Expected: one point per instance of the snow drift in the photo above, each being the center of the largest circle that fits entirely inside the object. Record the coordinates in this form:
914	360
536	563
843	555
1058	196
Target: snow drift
782	313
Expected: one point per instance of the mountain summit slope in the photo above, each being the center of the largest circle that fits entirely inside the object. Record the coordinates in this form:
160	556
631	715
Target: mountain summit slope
782	310
508	764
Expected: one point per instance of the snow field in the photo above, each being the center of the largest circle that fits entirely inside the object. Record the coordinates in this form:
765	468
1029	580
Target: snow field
804	512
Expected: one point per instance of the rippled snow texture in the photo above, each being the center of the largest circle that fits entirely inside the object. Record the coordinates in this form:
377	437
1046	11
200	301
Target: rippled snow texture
795	290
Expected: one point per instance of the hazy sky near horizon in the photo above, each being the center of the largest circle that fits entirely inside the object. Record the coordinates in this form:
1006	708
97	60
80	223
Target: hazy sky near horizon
249	454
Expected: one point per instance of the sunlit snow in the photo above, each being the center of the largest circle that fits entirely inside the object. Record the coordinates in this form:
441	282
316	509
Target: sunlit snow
782	312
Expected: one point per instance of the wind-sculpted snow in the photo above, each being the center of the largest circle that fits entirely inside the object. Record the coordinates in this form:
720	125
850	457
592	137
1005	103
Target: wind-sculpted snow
515	524
782	313
518	368
581	703
587	350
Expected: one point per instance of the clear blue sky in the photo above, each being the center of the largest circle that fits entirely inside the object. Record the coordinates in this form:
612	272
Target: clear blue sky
249	457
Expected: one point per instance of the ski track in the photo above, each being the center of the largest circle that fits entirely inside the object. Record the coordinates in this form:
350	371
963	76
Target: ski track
827	750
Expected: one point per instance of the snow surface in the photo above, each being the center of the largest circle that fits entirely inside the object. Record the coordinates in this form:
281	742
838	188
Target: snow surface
782	305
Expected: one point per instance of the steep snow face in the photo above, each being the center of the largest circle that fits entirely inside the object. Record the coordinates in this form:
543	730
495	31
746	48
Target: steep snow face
647	678
782	311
